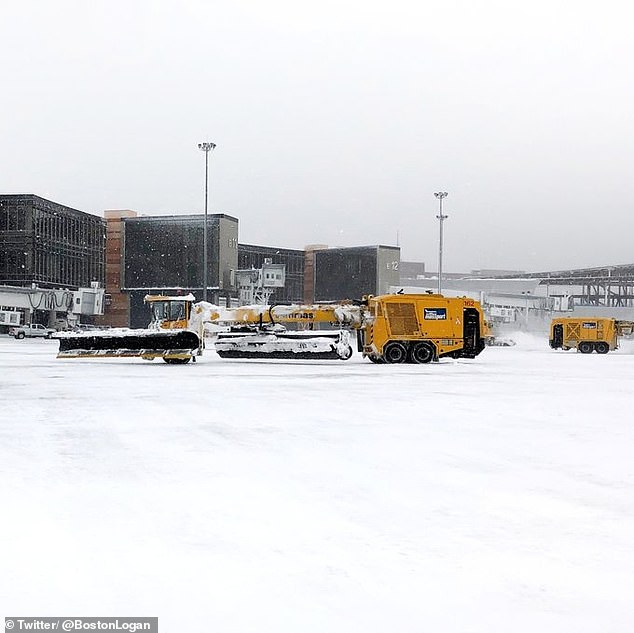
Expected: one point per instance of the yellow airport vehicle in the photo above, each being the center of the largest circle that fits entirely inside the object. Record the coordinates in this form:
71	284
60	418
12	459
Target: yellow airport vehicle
169	336
588	334
395	328
421	328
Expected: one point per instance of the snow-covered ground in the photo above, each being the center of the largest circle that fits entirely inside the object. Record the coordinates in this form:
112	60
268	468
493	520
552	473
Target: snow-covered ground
491	495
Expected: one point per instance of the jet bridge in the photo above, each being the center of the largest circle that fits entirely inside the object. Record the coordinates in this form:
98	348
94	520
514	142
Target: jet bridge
18	304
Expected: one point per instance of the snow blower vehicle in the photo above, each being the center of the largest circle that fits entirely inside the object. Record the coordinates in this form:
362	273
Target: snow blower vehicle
420	328
389	329
588	334
394	328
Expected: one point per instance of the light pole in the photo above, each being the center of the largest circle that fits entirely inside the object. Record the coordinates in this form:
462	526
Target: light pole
440	195
205	147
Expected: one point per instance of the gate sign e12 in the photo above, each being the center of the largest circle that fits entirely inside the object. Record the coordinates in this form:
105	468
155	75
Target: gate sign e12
435	314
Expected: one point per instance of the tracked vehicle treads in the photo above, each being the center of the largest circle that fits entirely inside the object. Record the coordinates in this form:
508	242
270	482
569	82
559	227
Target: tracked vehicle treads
291	345
288	331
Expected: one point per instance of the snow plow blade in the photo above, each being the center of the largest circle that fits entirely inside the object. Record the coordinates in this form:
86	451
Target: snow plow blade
171	345
289	345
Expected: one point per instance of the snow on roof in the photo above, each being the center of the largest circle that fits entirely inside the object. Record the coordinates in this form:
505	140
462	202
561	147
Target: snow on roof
187	297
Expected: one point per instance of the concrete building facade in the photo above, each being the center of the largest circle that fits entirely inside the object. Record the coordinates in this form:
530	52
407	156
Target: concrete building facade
350	273
164	254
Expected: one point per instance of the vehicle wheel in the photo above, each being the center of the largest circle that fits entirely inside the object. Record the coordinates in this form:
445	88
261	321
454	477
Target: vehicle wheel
395	352
346	354
176	361
376	359
19	335
602	348
585	348
423	353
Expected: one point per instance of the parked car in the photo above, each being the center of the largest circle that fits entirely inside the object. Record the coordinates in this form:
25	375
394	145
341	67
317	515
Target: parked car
85	327
31	331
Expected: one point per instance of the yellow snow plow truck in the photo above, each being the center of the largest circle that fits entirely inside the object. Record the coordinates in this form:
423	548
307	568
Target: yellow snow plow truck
589	334
171	335
389	329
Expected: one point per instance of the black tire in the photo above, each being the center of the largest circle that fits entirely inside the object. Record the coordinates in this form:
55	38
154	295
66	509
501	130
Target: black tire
602	348
423	353
376	359
19	335
585	348
347	354
394	352
176	361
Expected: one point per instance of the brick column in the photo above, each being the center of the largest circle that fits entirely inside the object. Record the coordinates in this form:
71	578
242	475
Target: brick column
117	309
309	271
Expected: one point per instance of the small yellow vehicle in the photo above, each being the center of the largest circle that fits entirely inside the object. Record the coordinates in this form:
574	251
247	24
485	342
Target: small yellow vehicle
588	334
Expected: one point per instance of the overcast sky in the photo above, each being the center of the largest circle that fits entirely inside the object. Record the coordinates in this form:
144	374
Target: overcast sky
336	121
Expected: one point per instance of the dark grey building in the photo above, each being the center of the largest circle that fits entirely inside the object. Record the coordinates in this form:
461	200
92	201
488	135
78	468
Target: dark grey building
251	256
49	244
350	273
165	254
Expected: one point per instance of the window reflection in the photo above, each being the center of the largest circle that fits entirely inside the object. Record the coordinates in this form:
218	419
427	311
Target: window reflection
177	310
159	310
168	310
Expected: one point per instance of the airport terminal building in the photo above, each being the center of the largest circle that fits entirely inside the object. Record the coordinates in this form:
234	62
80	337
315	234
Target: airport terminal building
163	254
49	244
